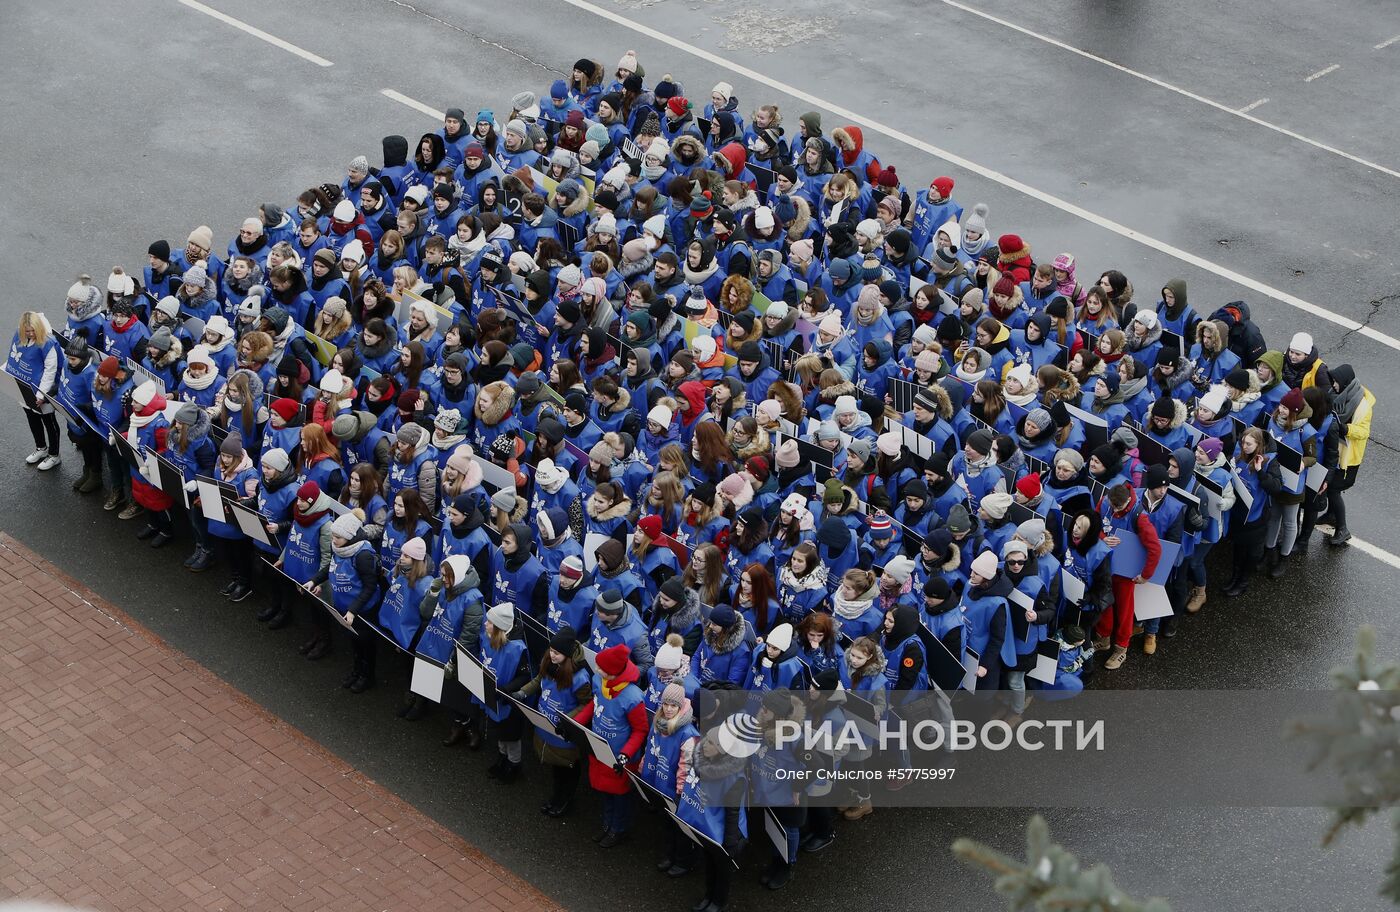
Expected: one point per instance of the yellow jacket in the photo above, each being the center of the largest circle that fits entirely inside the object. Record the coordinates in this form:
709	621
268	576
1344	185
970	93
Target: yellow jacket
1352	448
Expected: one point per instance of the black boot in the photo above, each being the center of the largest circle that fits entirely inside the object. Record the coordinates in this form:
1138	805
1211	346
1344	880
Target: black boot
321	649
1340	537
509	773
782	873
268	614
456	733
1277	568
281	619
496	769
1239	585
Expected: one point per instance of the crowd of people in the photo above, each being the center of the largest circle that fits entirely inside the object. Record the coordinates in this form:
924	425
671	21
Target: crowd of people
630	394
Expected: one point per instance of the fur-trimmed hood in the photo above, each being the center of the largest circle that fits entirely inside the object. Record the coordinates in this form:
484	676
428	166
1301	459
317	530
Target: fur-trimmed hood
691	142
802	221
503	398
601	513
580	203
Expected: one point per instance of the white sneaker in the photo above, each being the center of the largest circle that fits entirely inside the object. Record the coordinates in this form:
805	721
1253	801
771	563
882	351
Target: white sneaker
48	463
37	456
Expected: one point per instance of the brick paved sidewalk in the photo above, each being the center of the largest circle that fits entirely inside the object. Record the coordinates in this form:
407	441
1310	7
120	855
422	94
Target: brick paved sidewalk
131	778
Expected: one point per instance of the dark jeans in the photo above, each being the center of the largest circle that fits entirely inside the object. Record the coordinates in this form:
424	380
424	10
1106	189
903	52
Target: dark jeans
90	446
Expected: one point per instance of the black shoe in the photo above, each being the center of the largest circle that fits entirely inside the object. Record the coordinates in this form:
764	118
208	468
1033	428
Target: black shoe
268	614
557	810
768	872
780	877
816	843
404	705
509	773
228	588
1340	537
1237	588
320	650
240	592
677	870
456	733
1277	568
349	679
203	561
495	769
147	532
417	709
665	864
473	738
612	839
702	906
309	645
161	539
362	684
601	835
281	619
1169	627
189	561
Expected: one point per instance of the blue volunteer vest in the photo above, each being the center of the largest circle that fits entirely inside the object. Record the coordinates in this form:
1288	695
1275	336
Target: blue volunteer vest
662	759
301	557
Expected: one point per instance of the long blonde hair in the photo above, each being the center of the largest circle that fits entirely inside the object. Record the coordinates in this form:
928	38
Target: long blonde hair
35	323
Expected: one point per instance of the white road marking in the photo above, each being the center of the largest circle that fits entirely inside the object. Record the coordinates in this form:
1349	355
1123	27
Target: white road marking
1367	548
1323	72
1252	105
413	103
1386	43
258	33
1185	93
990	174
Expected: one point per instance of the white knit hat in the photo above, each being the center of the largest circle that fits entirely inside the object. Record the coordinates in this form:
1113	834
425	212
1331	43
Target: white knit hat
661	415
346	526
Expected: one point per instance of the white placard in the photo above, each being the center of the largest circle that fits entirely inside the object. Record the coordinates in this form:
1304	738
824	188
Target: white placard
428	678
211	500
1150	601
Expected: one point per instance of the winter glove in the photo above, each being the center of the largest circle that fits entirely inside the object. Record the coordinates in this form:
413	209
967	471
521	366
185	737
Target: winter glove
191	487
621	765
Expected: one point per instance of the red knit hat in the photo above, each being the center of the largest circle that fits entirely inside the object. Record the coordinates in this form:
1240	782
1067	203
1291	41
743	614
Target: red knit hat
1029	486
650	526
1010	243
1004	286
678	104
408	400
286	408
309	491
614	660
887	178
944	185
1293	401
109	367
758	467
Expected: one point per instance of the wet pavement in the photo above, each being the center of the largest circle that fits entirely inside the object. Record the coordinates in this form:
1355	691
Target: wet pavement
140	121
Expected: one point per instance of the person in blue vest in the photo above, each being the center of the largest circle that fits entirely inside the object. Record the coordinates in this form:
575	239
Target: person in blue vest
192	450
74	393
83	309
408	519
414	465
725	653
1029	623
616	622
277	486
562	684
671	665
400	613
1259	482
673	735
109	396
408	584
986	612
234	467
455	613
777	662
1168	516
352	574
33	361
712	796
618	715
307	551
504	655
517	576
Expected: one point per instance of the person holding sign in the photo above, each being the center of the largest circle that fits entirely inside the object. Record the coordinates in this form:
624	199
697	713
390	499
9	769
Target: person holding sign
673	737
75	395
193	452
234	467
711	801
562	684
147	432
1288	425
619	715
1257	481
353	575
1123	511
505	657
33	361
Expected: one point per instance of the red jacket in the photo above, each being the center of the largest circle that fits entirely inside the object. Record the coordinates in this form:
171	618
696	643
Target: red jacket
1146	533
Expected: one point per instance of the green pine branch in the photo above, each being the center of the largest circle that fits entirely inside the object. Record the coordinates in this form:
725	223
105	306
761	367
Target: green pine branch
1051	879
1360	743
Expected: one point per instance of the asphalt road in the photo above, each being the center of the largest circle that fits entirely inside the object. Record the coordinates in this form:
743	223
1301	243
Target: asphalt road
130	122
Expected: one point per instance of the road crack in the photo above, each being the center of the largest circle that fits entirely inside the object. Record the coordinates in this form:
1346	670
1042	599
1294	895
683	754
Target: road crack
1376	305
480	38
